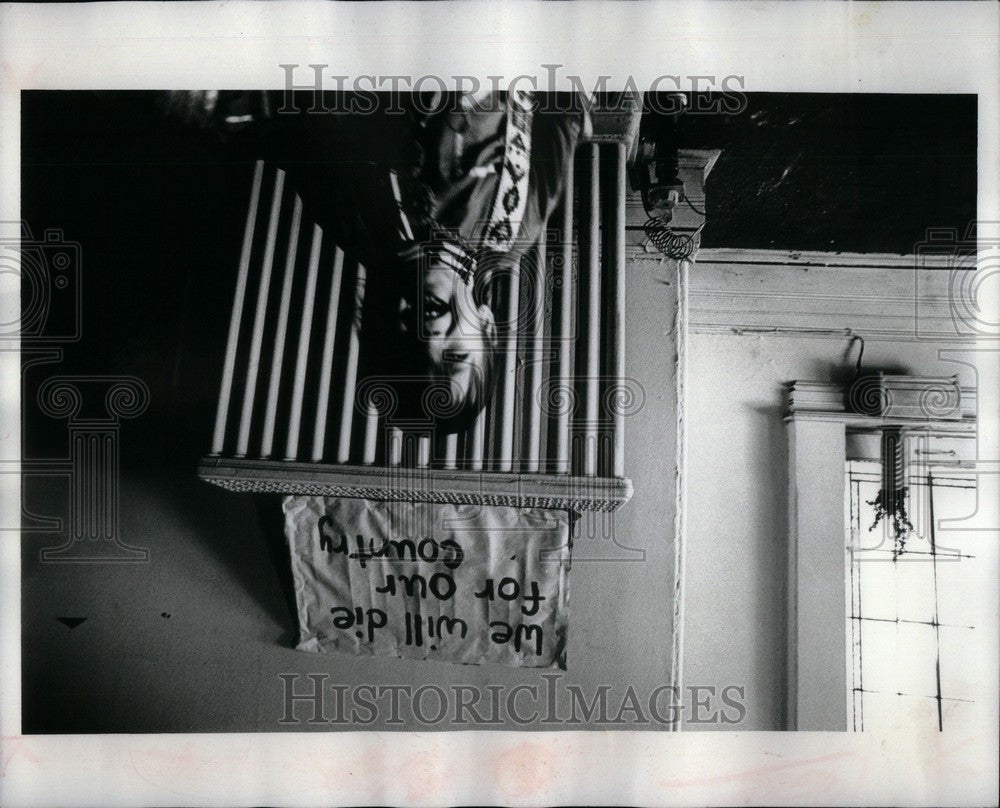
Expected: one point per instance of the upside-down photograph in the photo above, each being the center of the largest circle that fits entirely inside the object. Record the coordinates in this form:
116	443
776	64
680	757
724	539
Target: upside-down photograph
469	407
377	391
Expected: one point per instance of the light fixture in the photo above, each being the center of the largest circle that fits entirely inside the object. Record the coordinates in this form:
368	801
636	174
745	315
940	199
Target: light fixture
655	173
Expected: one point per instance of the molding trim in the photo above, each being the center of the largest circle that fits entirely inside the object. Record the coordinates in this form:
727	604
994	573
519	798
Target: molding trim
908	298
826	401
618	123
558	491
726	255
680	480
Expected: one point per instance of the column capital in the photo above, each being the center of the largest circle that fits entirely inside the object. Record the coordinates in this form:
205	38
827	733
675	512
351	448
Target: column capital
74	397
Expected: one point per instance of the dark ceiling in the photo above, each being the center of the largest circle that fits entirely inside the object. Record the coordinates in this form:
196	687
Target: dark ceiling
856	173
842	172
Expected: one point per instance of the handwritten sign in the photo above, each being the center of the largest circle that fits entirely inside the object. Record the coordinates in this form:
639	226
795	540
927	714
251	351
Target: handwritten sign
455	583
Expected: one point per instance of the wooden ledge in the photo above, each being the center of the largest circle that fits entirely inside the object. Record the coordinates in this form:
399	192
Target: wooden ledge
557	491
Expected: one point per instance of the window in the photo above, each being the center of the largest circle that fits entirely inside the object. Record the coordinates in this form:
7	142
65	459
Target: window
914	652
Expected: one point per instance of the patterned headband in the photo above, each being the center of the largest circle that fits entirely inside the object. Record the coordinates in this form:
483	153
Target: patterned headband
439	251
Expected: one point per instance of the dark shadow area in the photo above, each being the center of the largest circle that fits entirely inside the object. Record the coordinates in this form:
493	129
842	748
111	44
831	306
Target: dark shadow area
845	173
272	522
776	555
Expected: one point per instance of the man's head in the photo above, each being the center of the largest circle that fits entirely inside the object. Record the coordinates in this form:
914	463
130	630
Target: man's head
447	331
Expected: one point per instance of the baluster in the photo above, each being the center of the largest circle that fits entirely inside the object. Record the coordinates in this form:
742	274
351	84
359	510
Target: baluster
534	359
236	318
564	373
592	322
423	451
508	391
617	402
371	434
395	446
451	451
257	337
351	370
302	358
281	331
326	366
475	440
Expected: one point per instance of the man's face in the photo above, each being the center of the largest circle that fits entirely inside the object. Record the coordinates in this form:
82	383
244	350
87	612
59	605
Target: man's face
450	330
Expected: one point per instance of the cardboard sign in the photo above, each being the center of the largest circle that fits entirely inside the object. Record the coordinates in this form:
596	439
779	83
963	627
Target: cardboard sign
454	583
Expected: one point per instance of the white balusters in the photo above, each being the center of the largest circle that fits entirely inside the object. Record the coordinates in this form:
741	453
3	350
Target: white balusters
257	338
520	435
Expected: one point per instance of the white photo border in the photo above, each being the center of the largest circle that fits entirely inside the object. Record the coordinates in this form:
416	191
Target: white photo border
897	47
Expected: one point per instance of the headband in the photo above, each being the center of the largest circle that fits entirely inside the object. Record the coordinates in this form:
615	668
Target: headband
441	251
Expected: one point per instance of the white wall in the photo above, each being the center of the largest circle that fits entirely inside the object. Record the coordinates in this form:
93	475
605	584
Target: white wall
755	319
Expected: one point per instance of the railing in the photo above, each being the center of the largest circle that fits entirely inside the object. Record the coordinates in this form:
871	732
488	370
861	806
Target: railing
296	416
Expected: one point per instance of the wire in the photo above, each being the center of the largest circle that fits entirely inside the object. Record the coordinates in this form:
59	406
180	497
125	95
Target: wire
861	353
669	242
690	204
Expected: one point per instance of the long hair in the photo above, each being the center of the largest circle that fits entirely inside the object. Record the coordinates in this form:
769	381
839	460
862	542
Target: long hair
424	390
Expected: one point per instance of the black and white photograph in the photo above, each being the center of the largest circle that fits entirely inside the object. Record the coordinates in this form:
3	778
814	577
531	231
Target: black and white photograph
444	436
